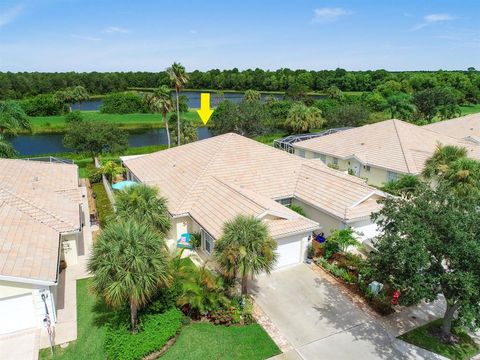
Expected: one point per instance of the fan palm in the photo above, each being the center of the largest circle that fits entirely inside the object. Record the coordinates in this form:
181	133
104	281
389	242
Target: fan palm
161	101
463	176
301	118
179	77
443	156
129	262
245	249
144	204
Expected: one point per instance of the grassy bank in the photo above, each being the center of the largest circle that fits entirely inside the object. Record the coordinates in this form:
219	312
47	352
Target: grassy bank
422	337
470	109
56	124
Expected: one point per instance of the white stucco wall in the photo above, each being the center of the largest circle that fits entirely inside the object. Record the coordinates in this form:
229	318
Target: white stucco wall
326	221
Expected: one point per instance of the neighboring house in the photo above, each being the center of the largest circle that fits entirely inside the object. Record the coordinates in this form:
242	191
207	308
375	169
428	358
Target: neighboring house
40	225
209	182
380	152
465	127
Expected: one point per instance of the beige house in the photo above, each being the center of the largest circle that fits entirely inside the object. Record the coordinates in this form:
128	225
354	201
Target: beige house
465	128
40	225
379	152
209	182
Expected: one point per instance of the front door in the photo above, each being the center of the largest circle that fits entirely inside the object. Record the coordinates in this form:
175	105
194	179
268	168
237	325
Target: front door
355	167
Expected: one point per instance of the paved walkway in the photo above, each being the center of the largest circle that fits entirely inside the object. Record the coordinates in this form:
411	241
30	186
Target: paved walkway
319	321
22	345
66	327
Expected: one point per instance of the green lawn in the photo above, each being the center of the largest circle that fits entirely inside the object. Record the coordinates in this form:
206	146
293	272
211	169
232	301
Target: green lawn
104	206
196	341
51	124
421	337
89	344
206	341
470	109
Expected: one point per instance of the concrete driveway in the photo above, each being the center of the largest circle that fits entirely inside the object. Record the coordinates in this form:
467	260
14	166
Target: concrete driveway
321	323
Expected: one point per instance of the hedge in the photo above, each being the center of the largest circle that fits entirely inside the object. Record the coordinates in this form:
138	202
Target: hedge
155	331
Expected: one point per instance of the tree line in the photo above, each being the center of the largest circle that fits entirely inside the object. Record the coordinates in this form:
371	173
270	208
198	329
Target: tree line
26	84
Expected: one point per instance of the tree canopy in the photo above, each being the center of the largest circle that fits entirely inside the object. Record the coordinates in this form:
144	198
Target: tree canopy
95	137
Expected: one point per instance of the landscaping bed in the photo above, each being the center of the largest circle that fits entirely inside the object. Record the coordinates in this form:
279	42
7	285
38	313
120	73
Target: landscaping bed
425	338
351	270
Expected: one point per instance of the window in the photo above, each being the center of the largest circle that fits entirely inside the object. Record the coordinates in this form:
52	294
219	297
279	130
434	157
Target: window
285	202
367	167
391	176
323	158
301	153
335	161
207	241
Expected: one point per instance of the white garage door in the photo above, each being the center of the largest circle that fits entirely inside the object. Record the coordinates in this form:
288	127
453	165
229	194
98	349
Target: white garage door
16	313
289	251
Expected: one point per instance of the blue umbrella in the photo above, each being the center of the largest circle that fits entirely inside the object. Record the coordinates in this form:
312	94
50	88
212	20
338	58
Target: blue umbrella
123	184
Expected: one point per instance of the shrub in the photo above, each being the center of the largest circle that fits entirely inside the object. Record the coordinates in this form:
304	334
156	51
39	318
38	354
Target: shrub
42	105
343	239
195	240
94	175
74	116
347	115
298	209
337	271
155	331
226	317
122	103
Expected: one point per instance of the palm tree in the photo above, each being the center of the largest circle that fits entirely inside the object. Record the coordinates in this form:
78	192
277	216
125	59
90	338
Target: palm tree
12	119
248	238
6	148
443	156
463	176
301	118
129	262
179	78
111	170
201	291
161	101
143	204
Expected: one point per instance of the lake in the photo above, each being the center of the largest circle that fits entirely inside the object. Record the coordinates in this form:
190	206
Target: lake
192	96
34	145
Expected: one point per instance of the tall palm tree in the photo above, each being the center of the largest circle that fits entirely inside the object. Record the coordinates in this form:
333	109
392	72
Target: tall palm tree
248	238
143	204
129	262
161	101
463	176
179	77
441	159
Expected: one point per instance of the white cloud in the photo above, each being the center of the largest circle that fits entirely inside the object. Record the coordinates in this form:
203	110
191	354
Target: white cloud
83	37
432	19
10	15
116	30
326	14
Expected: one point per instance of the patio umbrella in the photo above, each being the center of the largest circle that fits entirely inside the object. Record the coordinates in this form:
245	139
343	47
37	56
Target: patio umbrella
123	184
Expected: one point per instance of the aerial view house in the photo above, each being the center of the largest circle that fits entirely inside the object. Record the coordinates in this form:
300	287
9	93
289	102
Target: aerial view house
209	182
40	228
380	152
465	127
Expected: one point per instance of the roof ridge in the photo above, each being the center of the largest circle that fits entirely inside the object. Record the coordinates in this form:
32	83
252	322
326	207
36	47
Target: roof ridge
17	196
200	176
401	144
349	178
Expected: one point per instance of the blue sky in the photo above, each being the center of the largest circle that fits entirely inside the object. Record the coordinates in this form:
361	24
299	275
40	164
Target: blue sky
105	35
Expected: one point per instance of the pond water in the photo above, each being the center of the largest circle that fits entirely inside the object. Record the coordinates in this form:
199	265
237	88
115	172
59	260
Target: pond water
33	145
192	96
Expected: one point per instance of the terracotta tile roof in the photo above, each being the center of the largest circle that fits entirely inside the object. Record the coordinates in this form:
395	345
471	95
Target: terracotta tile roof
28	248
461	128
39	201
229	174
391	144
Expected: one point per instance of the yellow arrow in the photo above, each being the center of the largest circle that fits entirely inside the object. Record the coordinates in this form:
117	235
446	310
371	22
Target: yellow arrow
205	112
